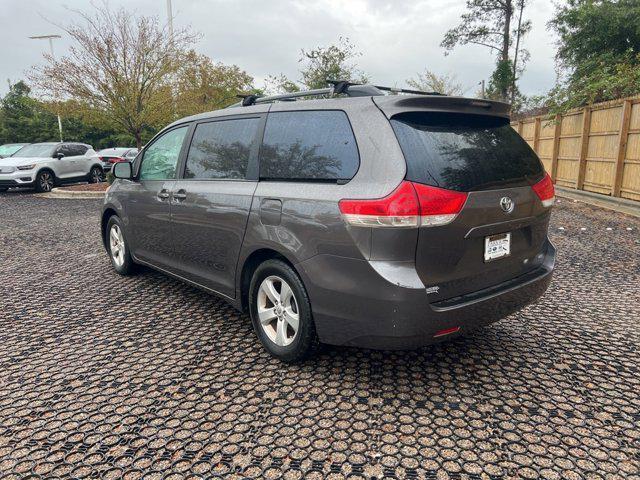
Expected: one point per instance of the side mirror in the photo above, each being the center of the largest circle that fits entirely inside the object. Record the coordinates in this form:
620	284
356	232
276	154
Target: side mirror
58	155
122	170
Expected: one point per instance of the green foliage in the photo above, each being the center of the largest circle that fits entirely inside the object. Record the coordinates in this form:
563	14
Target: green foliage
432	82
598	53
503	80
335	62
24	119
489	23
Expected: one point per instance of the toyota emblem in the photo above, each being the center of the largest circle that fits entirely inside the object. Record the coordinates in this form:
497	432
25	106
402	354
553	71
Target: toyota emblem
507	205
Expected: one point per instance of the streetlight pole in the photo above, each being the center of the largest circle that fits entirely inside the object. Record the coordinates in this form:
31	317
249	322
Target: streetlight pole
170	17
50	38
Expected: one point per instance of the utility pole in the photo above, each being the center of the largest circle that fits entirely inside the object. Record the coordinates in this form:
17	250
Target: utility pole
481	83
50	38
170	17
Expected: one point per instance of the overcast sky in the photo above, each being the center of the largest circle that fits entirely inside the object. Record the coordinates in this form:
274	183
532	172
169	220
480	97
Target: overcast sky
397	38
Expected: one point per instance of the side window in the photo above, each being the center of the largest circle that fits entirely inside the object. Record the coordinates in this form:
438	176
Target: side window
79	149
161	157
311	145
65	149
221	149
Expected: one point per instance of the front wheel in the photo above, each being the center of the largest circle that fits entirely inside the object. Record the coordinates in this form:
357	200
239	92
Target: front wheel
96	175
281	312
45	181
118	247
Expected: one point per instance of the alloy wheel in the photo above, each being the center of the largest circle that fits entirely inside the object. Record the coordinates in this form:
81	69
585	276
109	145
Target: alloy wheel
96	175
46	182
278	311
116	245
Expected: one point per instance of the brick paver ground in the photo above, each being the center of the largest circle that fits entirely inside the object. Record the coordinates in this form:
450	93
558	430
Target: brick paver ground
105	377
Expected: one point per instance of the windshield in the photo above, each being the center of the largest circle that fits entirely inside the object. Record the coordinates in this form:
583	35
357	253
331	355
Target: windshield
36	150
10	148
465	152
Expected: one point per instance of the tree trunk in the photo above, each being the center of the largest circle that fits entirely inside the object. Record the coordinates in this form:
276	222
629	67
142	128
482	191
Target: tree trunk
506	41
138	138
515	55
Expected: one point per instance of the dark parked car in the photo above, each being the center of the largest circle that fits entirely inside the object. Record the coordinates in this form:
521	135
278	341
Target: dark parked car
381	221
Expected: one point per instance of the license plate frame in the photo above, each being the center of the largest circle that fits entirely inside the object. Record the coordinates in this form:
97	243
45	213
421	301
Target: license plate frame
497	246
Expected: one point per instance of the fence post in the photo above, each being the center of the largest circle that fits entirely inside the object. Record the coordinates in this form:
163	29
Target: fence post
618	169
584	145
536	134
520	124
556	147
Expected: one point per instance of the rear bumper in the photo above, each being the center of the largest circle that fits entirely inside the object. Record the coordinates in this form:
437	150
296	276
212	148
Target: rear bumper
354	305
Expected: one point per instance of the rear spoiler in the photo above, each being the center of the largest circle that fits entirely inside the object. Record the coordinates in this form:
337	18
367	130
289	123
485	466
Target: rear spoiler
394	104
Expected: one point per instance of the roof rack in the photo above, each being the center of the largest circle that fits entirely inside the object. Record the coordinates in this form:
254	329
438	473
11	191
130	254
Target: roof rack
339	87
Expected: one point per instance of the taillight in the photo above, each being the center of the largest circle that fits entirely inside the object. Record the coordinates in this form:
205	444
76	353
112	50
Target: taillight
409	205
116	160
545	191
398	209
437	205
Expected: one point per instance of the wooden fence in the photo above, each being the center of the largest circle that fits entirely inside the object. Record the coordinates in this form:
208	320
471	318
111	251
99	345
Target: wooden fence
596	148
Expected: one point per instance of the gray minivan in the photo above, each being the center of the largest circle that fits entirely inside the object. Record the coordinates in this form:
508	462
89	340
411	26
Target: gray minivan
373	220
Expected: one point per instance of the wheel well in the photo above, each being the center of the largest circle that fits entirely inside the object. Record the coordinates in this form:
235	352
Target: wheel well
46	169
106	215
251	263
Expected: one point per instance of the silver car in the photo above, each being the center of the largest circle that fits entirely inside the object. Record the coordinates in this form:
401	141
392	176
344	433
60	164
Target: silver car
44	165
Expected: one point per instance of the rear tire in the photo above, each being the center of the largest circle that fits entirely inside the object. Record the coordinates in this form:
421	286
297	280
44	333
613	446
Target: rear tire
45	181
96	175
281	312
118	247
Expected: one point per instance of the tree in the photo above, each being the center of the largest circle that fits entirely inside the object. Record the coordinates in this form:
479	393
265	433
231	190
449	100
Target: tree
120	64
202	85
432	82
24	119
598	56
335	62
489	23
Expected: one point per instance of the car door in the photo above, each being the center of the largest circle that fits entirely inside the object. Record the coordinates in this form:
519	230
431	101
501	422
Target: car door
65	166
212	198
83	160
148	208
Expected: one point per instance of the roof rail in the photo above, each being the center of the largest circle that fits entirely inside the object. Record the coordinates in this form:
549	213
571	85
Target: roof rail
339	87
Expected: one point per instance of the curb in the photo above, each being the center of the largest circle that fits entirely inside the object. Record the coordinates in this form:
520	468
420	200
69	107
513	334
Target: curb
79	194
622	205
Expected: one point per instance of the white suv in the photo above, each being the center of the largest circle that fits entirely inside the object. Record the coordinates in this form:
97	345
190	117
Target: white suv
45	165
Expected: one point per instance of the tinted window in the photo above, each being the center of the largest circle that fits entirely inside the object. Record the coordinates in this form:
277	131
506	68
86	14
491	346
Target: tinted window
221	149
77	149
66	149
161	157
314	145
465	152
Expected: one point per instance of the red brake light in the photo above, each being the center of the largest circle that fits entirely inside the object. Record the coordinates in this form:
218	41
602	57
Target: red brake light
437	205
117	160
545	190
398	209
409	205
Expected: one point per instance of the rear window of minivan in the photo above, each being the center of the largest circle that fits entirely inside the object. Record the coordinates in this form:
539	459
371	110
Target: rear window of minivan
465	152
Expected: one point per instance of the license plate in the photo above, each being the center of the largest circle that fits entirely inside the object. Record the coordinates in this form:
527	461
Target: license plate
497	246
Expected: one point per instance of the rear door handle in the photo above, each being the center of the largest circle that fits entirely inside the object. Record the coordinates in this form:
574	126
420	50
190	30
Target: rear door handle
180	195
163	194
